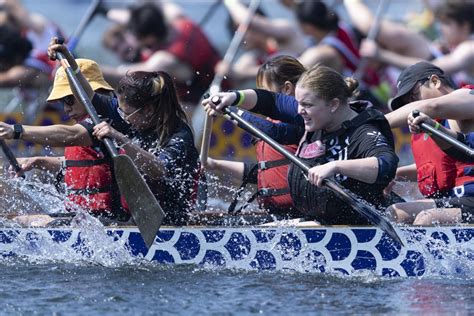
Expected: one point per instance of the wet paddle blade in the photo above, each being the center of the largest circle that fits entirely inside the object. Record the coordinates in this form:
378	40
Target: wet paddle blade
145	209
365	210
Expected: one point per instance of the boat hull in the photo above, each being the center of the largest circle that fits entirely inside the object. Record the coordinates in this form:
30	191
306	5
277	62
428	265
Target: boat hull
346	250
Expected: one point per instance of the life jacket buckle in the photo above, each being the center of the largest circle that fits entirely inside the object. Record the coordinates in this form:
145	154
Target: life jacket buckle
262	165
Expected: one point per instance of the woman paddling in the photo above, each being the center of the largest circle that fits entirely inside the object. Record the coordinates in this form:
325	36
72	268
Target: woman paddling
160	141
355	146
85	167
280	75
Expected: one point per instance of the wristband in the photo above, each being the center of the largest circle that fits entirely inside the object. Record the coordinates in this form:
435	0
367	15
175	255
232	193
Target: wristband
241	98
237	98
77	70
437	125
17	131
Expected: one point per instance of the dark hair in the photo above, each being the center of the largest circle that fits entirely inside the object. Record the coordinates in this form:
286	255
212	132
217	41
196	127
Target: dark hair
141	88
316	13
147	19
279	70
458	10
328	84
14	48
232	26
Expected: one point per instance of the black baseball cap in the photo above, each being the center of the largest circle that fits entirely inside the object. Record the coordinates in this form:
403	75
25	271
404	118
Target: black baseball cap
408	79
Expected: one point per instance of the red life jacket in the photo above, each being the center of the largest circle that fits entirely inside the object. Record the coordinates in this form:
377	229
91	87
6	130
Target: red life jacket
344	42
437	172
273	191
89	180
192	47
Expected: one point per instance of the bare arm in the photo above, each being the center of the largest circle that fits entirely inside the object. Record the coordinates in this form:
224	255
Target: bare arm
406	173
44	163
146	162
21	76
160	60
52	135
322	54
232	168
457	105
278	29
364	170
393	36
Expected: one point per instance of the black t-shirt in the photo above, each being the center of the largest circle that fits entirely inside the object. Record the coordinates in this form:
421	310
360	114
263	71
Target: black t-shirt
364	141
178	155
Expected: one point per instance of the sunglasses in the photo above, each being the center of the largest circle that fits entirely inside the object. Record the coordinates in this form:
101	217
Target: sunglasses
68	100
126	116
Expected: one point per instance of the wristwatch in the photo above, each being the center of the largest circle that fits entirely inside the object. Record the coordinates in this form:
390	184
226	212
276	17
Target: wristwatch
17	131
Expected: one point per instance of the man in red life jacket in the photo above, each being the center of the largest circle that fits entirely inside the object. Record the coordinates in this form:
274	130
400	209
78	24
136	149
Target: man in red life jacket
443	175
179	48
86	167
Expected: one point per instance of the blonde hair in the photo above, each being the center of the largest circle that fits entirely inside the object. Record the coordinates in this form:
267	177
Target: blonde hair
328	84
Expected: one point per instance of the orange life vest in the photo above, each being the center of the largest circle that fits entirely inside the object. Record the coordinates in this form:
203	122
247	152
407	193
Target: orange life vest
89	180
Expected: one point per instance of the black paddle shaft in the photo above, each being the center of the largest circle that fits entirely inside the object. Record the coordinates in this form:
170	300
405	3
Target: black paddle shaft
75	37
447	138
10	156
86	102
362	208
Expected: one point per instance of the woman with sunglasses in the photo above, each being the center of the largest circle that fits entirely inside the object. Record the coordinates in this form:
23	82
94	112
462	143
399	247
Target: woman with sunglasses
85	166
160	140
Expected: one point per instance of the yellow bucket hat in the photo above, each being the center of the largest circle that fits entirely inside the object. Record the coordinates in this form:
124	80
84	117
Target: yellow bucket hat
91	72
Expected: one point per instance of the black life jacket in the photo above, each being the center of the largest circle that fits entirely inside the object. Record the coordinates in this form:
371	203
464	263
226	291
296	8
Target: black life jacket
321	203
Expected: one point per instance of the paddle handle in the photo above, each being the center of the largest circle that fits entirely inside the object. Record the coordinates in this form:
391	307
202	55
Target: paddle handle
10	156
85	101
216	82
76	36
373	31
445	137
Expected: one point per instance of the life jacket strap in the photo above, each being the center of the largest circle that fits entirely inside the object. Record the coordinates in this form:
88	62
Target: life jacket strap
264	165
84	163
90	191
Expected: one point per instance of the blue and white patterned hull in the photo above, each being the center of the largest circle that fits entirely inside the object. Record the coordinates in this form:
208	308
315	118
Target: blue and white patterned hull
347	250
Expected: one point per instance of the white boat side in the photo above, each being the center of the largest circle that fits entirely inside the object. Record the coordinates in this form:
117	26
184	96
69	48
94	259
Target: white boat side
334	249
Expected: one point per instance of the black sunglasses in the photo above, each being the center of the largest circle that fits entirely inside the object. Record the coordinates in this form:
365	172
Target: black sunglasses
68	100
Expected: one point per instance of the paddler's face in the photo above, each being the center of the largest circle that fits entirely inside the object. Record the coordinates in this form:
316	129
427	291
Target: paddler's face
73	108
138	118
316	112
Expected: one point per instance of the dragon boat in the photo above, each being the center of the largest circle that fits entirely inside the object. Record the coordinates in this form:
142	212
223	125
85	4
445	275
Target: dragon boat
333	249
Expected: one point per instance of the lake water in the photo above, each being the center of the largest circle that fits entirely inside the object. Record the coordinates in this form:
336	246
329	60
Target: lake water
61	284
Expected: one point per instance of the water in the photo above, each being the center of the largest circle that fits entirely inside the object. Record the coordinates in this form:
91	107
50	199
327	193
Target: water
56	280
148	290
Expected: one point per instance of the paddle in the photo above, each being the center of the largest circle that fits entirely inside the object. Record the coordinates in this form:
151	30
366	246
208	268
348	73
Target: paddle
445	137
363	208
200	114
210	12
145	209
75	37
11	157
373	31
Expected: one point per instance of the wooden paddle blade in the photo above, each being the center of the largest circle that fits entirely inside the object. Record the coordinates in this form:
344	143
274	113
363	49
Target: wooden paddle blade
145	209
